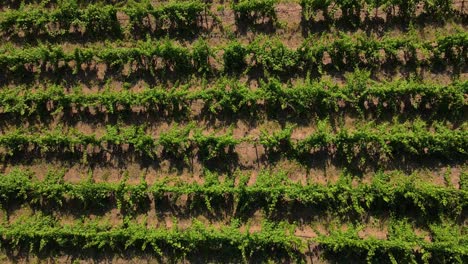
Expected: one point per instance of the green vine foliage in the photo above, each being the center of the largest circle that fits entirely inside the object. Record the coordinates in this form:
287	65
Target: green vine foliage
404	9
375	143
213	146
360	94
177	143
234	57
398	193
253	10
271	55
310	7
395	192
401	245
99	20
43	234
410	201
278	141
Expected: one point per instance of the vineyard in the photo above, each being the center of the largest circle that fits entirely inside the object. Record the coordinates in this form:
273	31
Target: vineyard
240	131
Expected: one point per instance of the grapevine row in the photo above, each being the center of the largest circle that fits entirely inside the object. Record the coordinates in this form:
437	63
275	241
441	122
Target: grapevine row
97	20
50	3
252	10
269	55
101	20
405	9
270	191
43	234
379	142
231	96
448	246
